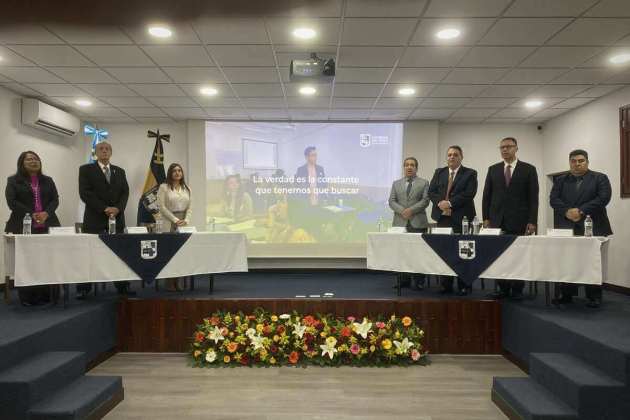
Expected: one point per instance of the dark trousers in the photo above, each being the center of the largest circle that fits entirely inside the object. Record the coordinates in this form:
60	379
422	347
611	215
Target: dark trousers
593	291
447	281
84	288
413	279
511	287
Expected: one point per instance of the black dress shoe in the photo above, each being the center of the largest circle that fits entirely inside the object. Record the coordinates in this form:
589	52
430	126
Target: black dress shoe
594	303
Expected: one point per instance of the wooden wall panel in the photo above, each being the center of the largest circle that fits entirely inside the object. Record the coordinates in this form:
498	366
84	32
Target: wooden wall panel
450	326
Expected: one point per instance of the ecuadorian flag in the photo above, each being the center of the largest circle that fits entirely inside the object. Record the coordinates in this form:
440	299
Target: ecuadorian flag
156	175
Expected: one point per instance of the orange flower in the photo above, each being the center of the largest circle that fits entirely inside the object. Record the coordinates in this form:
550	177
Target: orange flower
346	332
214	321
406	321
294	357
197	353
199	336
309	321
232	347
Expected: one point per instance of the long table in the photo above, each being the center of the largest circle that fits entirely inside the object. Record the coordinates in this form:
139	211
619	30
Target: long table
578	260
84	258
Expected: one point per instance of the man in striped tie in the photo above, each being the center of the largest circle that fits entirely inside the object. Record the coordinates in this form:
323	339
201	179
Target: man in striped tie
452	191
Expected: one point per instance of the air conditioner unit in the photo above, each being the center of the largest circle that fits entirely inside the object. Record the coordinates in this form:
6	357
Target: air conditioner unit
45	117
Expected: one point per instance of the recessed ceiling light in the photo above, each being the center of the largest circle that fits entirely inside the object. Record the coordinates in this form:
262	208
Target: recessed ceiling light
308	90
160	31
534	103
208	91
304	33
406	91
620	58
448	33
83	102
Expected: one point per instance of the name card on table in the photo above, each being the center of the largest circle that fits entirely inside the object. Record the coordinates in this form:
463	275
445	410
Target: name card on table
560	232
187	229
490	231
397	229
442	231
63	230
136	230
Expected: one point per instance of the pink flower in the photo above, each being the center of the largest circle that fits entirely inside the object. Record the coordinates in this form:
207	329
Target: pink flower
355	349
351	318
415	355
380	324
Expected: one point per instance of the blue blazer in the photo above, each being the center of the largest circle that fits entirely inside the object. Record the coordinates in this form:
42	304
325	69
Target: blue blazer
461	197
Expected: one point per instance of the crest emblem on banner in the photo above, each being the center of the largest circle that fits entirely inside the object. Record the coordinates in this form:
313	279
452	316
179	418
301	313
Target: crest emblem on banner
467	250
148	249
365	140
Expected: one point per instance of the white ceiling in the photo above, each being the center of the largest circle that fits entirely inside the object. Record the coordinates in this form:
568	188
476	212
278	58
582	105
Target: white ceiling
509	51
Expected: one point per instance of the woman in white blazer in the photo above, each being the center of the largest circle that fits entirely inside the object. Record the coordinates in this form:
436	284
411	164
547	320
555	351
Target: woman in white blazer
174	201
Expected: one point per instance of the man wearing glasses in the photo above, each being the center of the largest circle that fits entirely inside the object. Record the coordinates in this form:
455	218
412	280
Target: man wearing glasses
510	202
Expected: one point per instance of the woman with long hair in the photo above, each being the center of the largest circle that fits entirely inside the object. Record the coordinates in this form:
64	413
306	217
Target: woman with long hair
237	204
30	191
174	200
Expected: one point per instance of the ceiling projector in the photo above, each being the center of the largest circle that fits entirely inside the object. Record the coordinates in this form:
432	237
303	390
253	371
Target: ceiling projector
313	68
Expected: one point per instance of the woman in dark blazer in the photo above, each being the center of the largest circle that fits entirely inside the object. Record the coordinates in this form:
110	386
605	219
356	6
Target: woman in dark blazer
30	191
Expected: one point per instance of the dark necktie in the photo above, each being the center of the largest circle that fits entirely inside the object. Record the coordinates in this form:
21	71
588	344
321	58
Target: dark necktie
508	175
578	183
409	184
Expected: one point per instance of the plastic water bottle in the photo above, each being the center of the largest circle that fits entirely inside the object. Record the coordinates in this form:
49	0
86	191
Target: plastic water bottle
379	224
159	224
476	225
27	222
465	226
588	226
111	224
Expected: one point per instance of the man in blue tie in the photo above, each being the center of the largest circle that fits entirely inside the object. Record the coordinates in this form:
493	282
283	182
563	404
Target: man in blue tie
409	199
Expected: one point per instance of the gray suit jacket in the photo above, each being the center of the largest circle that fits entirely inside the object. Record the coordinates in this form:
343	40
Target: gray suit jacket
418	201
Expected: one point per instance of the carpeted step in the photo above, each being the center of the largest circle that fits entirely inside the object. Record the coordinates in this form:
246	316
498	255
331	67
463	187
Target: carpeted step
87	397
28	382
588	390
526	399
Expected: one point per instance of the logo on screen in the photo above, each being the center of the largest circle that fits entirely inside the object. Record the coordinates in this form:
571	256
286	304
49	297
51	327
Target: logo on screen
467	250
148	249
365	140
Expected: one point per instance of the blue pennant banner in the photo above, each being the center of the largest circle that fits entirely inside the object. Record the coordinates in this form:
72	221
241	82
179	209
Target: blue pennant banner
146	254
469	255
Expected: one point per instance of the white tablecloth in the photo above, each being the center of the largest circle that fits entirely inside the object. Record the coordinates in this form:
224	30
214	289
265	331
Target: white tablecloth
84	258
531	258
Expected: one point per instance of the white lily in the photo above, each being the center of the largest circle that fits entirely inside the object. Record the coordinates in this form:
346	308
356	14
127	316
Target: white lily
284	316
299	329
329	347
363	328
404	346
216	335
250	332
257	341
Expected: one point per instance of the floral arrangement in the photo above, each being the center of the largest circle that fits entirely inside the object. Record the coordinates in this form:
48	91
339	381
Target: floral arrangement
266	339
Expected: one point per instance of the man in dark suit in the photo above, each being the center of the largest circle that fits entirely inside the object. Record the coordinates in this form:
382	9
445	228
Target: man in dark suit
510	202
575	195
452	191
104	190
